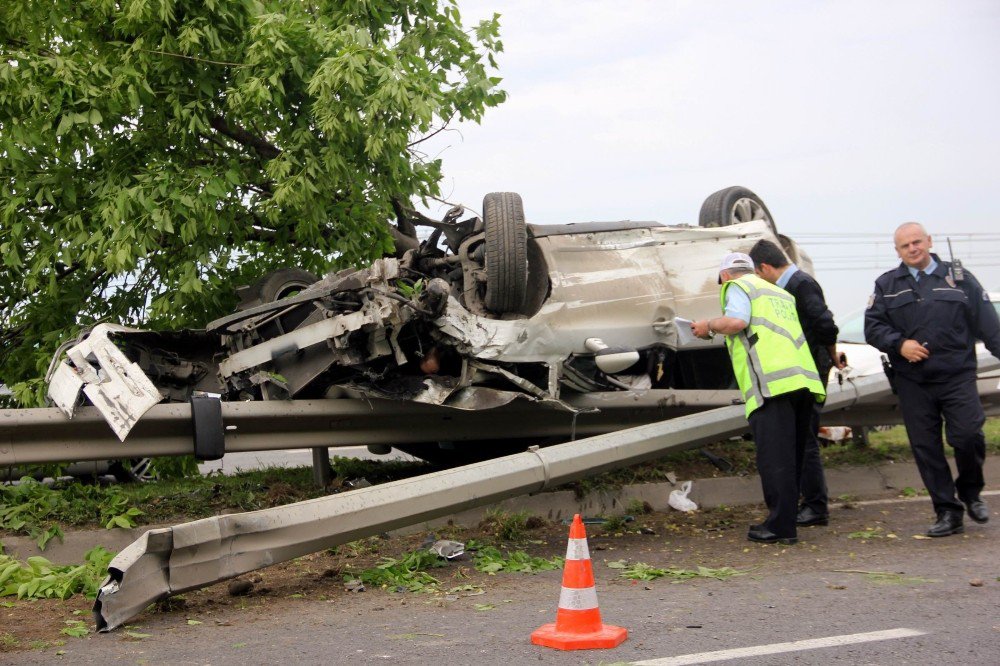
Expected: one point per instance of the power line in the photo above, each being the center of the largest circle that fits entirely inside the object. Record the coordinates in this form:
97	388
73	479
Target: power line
980	257
881	266
888	238
885	242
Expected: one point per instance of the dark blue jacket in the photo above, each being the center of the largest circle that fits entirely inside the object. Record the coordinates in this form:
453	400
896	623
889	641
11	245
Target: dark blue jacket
944	315
816	319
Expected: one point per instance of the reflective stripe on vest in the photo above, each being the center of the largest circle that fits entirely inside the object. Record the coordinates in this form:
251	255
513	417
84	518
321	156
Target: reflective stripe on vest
770	356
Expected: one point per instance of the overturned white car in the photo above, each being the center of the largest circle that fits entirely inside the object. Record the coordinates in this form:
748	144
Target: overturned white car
485	310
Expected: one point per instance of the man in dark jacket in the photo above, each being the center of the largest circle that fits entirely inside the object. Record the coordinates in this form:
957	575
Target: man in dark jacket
821	335
926	316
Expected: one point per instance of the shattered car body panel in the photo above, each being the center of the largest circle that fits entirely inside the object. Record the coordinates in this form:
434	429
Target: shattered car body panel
425	326
114	384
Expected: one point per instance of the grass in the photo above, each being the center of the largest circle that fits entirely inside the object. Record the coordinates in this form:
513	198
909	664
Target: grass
614	525
510	527
40	510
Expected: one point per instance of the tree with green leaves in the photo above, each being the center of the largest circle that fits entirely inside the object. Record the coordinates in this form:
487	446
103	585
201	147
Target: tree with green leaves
156	153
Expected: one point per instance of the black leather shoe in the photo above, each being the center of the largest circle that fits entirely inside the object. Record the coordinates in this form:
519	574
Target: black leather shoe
978	511
948	523
809	516
759	534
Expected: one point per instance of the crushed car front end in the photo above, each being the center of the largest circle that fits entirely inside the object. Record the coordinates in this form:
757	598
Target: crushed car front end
505	310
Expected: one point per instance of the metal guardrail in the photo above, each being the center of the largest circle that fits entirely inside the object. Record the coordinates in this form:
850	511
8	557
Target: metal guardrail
45	435
168	561
35	436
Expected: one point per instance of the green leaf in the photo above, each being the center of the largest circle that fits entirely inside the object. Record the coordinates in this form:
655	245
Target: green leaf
136	635
76	628
64	124
39	578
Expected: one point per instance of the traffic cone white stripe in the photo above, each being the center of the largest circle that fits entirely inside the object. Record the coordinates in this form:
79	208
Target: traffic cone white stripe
577	549
573	598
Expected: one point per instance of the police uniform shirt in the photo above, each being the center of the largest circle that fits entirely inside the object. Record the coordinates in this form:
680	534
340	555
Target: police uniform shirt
737	305
927	270
944	315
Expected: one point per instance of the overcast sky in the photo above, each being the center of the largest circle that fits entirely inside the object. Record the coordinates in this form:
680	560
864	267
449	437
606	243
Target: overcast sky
847	118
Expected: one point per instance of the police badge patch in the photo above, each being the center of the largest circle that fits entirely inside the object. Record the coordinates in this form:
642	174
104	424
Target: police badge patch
871	302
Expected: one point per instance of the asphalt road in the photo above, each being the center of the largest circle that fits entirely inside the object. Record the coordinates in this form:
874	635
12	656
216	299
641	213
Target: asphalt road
928	601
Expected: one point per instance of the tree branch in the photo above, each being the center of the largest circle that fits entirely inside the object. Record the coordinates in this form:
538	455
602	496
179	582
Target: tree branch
25	47
218	142
195	58
61	271
403	221
443	127
266	149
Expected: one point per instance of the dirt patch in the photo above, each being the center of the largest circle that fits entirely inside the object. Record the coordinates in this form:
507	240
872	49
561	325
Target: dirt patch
36	624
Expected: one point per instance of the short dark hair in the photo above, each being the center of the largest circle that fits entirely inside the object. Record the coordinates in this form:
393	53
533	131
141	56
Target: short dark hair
766	252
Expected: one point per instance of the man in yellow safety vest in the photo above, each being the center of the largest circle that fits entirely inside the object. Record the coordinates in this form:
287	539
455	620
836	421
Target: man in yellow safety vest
777	377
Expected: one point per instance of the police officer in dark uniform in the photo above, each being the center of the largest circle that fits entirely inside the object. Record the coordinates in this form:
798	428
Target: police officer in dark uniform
821	332
927	316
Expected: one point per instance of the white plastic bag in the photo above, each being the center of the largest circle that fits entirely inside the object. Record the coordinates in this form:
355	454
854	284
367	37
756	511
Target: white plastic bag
679	498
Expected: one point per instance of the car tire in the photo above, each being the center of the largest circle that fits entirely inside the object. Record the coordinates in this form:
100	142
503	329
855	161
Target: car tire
277	285
505	252
734	205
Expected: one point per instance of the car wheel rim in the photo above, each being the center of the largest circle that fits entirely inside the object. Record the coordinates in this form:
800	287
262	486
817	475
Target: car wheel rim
746	210
140	468
289	290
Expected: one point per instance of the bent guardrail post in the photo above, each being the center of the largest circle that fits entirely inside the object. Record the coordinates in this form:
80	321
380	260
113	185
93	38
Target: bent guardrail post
202	552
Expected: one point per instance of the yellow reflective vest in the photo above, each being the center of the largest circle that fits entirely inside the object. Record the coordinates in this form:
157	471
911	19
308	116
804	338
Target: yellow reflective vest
770	356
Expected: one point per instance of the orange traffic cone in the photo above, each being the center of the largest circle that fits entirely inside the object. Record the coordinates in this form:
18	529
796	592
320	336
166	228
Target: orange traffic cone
578	621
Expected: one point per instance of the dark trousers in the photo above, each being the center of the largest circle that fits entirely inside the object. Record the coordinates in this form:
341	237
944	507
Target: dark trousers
956	400
812	485
780	429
